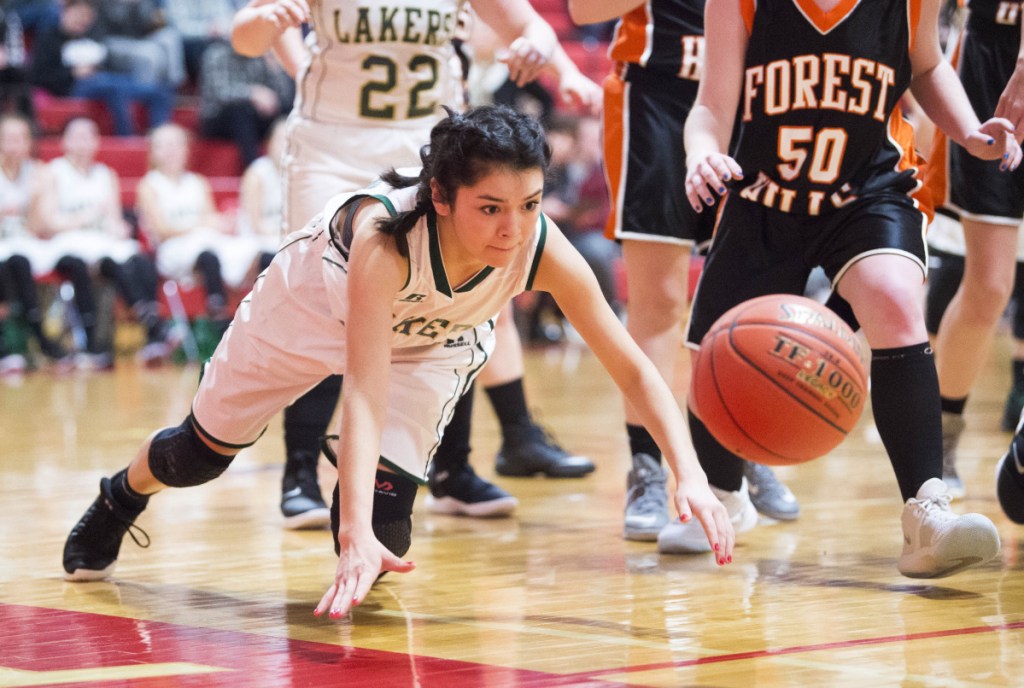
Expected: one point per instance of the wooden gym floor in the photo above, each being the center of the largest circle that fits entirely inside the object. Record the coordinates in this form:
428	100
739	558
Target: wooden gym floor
551	597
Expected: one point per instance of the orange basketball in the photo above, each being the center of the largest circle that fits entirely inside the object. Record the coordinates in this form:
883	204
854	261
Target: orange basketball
779	380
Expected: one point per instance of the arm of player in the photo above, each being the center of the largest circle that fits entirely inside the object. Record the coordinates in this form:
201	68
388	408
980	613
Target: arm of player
709	127
375	274
594	11
1011	102
568	278
941	95
265	24
533	47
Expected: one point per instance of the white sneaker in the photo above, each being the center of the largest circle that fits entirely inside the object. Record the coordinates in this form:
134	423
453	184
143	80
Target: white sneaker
689	538
939	543
952	428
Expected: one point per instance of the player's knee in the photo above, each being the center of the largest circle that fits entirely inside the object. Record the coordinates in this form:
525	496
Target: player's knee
178	457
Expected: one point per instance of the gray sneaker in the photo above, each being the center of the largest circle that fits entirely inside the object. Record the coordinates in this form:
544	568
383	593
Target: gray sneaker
769	495
646	499
952	427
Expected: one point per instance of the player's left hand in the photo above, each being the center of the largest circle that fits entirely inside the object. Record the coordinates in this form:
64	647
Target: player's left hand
694	499
580	92
995	140
524	59
363	558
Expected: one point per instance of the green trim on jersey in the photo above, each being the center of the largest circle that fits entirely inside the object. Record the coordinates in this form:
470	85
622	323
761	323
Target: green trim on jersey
387	203
477	279
436	262
540	250
416	479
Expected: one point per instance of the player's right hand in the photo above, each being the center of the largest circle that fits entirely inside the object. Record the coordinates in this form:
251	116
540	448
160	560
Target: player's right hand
363	558
694	499
707	177
284	13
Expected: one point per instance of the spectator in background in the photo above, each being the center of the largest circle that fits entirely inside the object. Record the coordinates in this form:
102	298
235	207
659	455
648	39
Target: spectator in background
14	87
80	213
35	15
240	97
139	41
178	213
20	176
261	201
200	23
69	60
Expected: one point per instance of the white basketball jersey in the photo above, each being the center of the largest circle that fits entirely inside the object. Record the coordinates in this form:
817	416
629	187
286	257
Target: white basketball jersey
270	202
429	310
77	191
15	197
386	62
182	201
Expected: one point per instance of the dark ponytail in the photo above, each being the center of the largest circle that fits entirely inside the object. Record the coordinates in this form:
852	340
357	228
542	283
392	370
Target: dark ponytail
464	148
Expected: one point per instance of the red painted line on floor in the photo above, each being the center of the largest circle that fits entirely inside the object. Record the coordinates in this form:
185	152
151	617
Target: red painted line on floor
41	639
800	649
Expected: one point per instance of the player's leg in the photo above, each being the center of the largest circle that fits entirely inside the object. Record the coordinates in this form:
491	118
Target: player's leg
968	327
526	448
886	293
1015	397
283	340
455	488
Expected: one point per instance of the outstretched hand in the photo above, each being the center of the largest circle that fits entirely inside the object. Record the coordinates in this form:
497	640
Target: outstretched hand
694	499
995	140
363	558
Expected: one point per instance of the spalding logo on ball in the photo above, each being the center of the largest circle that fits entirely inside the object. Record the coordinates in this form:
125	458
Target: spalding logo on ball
779	380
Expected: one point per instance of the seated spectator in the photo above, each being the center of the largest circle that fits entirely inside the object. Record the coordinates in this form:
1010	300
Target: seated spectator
200	23
80	214
69	60
36	15
261	202
139	41
14	87
240	97
177	211
19	249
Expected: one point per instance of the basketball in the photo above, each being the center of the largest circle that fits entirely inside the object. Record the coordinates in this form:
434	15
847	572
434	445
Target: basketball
779	380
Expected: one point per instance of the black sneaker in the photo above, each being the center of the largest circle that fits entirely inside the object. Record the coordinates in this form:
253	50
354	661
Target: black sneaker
302	504
90	552
533	450
1010	481
462	492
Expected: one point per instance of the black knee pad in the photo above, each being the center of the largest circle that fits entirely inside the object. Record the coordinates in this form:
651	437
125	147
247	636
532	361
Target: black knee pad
393	497
179	458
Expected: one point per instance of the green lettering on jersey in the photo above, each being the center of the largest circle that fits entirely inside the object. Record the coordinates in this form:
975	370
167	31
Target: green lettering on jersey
430	329
387	25
433	24
363	33
342	36
405	327
412	36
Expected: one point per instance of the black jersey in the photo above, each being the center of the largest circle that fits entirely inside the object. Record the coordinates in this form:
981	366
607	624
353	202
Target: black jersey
664	35
817	110
995	11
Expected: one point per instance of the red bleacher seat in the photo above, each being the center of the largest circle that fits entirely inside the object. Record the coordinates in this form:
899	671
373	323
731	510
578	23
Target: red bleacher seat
591	58
216	158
